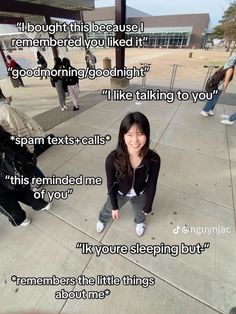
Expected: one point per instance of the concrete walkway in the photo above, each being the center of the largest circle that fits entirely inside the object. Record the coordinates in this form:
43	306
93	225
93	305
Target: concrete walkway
194	203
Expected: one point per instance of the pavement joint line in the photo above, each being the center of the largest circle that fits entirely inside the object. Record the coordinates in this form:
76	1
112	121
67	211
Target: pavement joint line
58	118
128	259
75	227
86	265
167	126
83	147
55	239
184	193
191	151
173	285
196	128
147	271
155	275
120	118
35	307
192	195
231	175
166	88
69	158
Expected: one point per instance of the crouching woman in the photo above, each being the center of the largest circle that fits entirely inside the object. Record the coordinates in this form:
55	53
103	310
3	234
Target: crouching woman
132	171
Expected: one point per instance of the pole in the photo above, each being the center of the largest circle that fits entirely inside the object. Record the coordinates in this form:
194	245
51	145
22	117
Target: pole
54	49
173	75
144	77
120	19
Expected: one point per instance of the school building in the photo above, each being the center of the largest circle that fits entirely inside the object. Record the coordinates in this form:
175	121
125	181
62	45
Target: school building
167	31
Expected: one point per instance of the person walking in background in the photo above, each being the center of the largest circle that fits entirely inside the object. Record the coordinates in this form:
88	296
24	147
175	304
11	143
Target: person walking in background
13	65
229	119
132	171
92	61
72	82
41	62
59	82
87	58
229	66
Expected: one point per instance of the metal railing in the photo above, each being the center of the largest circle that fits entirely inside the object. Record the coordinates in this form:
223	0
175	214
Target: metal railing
173	74
144	78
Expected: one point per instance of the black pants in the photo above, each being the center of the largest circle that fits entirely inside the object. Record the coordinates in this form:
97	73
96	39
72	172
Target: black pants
20	80
10	207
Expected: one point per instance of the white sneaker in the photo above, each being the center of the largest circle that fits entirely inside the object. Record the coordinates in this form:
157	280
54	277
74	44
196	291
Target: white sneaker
204	113
26	222
227	122
47	207
140	229
37	188
62	109
100	226
211	113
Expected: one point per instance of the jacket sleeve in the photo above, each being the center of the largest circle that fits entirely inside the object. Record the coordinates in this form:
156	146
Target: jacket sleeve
111	181
151	184
16	122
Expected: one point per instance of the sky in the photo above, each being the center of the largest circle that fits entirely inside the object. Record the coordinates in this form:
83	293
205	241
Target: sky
215	8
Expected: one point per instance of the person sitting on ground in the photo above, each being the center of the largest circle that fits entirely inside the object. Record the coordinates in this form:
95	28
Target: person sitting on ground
11	195
41	62
13	65
72	82
229	119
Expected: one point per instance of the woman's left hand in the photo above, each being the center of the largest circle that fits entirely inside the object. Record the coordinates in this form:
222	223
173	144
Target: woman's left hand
115	214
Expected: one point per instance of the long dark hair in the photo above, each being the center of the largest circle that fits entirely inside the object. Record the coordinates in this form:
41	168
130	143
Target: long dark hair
66	63
58	63
121	155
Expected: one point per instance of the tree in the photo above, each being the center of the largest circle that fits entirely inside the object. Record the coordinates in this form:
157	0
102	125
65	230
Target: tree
218	32
228	24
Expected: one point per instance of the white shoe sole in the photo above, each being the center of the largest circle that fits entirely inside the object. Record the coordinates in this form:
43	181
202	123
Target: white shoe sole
47	207
26	222
227	122
204	114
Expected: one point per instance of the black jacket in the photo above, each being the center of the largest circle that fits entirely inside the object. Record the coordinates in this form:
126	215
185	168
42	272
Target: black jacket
14	161
144	179
72	80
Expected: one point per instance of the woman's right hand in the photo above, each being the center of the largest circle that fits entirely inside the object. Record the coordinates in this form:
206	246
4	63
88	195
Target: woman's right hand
115	214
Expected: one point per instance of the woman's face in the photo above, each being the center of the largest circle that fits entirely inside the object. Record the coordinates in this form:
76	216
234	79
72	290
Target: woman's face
135	139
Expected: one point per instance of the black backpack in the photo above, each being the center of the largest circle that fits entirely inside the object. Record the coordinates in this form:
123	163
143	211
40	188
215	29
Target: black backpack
16	161
214	81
